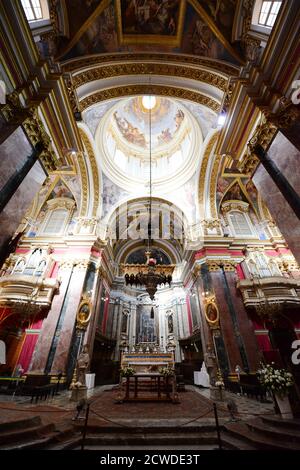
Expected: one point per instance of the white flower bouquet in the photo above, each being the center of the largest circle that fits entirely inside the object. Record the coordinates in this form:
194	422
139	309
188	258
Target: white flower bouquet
127	371
276	380
166	371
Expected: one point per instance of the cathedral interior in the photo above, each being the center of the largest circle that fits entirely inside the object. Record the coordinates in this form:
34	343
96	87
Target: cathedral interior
150	207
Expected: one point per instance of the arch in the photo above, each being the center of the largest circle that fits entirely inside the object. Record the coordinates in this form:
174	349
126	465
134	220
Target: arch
145	89
237	181
168	221
207	176
92	169
123	250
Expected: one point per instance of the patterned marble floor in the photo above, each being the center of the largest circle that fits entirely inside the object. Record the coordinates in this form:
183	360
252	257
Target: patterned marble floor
101	399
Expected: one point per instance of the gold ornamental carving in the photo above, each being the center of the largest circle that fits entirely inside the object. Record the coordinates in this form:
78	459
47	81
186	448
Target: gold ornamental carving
263	137
33	126
203	171
76	263
216	264
229	206
108	71
252	47
124	58
95	173
84	184
130	90
213	186
212	224
72	93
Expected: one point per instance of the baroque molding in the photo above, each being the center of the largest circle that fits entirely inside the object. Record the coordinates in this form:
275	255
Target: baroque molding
114	70
203	171
33	126
84	184
129	90
76	263
216	264
263	137
213	187
93	162
219	66
265	132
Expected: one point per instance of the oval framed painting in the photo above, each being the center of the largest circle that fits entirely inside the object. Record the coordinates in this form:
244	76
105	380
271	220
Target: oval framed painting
84	313
211	312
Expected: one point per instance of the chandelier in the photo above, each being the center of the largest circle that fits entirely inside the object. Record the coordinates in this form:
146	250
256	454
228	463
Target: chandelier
149	274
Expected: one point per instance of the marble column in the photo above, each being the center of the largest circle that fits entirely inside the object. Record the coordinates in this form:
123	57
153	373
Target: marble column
12	184
42	349
74	297
283	184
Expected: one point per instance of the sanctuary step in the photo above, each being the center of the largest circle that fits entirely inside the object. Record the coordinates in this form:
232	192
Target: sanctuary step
31	433
150	437
266	433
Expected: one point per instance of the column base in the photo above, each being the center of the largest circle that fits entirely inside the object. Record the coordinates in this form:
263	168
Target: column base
217	393
79	394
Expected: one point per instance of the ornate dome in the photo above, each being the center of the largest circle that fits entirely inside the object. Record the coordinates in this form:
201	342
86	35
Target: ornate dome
125	133
131	122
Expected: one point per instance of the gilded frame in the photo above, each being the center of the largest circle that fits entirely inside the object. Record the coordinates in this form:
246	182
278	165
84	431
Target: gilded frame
172	41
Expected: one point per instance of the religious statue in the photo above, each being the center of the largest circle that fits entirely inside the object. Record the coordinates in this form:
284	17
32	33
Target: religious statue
170	323
210	362
82	365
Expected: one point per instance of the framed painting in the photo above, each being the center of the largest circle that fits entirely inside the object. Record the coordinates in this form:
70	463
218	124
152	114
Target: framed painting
150	21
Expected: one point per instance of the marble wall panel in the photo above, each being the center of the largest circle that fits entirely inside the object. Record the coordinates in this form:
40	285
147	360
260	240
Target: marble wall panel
283	215
15	209
13	154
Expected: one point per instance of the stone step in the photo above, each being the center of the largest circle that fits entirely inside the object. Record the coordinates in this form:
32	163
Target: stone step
94	428
276	433
233	443
144	447
25	434
20	424
242	432
146	439
40	444
290	424
72	443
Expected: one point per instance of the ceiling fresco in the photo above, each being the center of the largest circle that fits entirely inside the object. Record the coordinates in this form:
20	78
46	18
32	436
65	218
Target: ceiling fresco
221	13
201	29
198	39
133	123
155	19
92	116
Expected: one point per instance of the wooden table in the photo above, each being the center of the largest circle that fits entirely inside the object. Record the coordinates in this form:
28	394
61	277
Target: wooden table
161	386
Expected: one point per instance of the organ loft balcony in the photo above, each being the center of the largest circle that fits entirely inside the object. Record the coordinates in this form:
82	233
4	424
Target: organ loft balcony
277	290
34	292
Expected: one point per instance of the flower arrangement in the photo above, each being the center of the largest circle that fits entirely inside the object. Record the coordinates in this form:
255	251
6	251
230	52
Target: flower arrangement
276	380
127	371
166	371
219	382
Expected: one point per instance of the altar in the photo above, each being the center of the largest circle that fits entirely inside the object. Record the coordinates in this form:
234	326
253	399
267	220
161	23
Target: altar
148	382
147	362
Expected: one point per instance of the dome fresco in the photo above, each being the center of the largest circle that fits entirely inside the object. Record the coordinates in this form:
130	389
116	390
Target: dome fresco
132	119
123	140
